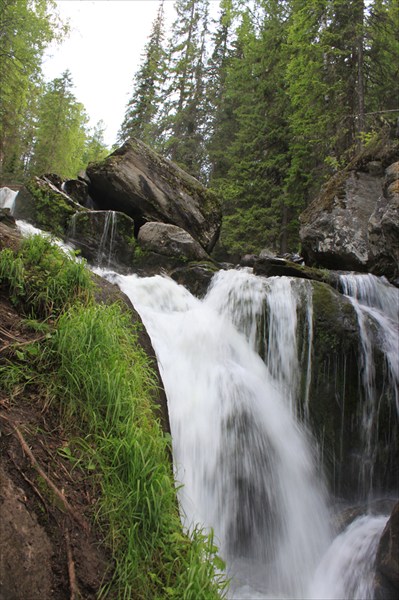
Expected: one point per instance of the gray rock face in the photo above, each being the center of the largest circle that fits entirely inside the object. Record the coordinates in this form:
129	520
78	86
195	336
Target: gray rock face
383	227
334	230
139	182
354	223
170	240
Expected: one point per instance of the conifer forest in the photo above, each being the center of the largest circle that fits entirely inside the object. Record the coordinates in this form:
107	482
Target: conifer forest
261	103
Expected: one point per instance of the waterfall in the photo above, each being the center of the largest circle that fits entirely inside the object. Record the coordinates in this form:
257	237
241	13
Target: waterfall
104	255
7	198
347	569
377	308
249	470
246	465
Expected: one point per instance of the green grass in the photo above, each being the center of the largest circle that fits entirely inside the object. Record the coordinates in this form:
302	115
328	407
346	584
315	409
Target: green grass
95	371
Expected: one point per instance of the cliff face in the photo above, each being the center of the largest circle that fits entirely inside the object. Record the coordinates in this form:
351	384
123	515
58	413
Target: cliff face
353	224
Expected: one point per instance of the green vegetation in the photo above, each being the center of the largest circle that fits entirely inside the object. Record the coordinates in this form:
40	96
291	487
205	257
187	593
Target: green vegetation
42	125
279	96
89	364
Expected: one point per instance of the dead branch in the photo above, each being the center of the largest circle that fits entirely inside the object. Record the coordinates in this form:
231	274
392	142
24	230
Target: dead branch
73	586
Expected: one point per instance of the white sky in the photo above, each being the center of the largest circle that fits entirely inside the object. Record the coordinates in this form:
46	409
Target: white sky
103	52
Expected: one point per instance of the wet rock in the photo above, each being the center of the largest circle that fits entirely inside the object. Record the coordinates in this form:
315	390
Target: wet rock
139	182
6	217
195	277
104	238
274	266
248	260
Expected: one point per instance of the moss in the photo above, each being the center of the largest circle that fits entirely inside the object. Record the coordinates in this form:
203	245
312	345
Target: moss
52	210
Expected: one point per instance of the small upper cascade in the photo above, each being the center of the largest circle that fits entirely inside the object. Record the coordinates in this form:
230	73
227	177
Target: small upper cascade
372	291
106	245
7	198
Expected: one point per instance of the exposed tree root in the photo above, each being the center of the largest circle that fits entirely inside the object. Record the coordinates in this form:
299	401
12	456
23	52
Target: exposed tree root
42	474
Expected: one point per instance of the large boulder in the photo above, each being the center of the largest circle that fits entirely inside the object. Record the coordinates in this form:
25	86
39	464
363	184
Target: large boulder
139	182
105	238
170	240
42	204
354	223
334	228
383	228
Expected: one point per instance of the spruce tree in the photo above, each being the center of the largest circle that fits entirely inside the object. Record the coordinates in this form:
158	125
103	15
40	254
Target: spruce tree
141	117
184	115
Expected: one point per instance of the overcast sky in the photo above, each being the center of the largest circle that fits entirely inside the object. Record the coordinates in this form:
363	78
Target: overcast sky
103	52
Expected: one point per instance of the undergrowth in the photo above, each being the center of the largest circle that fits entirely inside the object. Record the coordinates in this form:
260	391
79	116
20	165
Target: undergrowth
92	367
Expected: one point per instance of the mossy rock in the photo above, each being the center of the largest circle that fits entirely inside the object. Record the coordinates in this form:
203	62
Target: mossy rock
40	203
336	395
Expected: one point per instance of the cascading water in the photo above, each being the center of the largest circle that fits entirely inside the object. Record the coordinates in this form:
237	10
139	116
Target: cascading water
105	248
377	308
7	198
246	466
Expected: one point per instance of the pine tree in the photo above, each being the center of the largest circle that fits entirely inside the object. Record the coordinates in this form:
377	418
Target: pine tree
142	110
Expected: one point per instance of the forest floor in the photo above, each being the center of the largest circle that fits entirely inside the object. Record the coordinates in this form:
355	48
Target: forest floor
49	544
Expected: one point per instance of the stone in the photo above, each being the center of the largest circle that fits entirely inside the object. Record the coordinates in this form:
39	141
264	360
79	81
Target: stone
354	222
170	240
139	182
248	260
104	238
383	228
279	267
78	190
387	560
195	277
42	204
334	228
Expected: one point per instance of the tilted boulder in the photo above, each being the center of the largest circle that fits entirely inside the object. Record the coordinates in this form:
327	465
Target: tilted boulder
142	184
334	227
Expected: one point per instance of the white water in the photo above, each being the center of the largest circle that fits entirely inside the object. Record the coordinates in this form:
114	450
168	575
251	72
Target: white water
377	308
347	569
246	467
7	198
